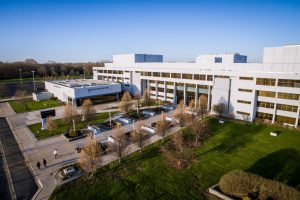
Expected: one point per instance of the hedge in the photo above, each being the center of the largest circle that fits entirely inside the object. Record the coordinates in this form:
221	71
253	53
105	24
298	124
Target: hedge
244	184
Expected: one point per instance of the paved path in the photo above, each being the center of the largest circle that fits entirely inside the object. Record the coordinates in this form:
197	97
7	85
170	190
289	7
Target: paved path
35	150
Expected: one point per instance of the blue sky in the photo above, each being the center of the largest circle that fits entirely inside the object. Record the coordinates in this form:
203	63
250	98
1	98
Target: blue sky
80	31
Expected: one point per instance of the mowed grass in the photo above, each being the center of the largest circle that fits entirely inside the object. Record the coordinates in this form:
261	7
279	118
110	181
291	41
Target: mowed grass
232	146
63	127
31	105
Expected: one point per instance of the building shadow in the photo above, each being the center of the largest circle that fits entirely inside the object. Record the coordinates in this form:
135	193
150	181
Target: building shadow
282	165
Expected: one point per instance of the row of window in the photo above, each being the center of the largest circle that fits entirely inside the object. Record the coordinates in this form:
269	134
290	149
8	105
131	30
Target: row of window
262	115
265	104
202	77
280	95
243	113
110	71
281	82
285	107
244	102
244	90
278	118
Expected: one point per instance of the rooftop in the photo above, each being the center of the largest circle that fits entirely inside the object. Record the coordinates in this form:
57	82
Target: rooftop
74	83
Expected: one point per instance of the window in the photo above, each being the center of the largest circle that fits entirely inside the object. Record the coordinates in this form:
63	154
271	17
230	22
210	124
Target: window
262	115
187	76
289	108
204	87
243	113
265	104
161	89
100	71
209	77
266	93
165	74
151	81
283	95
284	119
190	85
126	71
146	74
156	74
169	83
115	72
153	88
160	82
265	81
246	78
120	72
176	75
289	83
201	77
244	102
219	76
104	71
109	71
180	84
170	91
244	90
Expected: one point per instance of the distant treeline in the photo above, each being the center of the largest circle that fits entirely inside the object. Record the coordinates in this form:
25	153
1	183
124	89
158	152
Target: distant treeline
11	70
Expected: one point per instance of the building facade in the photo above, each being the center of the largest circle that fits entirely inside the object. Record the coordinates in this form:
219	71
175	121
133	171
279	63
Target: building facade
269	90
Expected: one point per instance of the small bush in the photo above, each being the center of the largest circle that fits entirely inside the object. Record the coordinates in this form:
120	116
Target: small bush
244	184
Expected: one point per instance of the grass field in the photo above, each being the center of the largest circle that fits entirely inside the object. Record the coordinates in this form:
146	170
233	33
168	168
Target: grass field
31	105
232	146
63	128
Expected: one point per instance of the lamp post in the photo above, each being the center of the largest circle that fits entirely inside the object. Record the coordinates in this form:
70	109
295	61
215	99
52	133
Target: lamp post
110	117
20	75
33	80
83	72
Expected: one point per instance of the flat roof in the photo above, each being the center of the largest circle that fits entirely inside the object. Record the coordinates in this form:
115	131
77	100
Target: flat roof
74	83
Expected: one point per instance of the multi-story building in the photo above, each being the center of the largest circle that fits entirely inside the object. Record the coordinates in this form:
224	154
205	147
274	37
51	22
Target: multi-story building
269	90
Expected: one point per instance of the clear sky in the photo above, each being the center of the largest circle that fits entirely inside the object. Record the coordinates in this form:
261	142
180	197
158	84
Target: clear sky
80	31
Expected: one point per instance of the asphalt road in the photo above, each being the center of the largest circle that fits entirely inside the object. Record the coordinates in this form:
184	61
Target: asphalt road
23	182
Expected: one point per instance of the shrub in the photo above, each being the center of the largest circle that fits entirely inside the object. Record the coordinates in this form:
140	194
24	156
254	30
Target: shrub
244	184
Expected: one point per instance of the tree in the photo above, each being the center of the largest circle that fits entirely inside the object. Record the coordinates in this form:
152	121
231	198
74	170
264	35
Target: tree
137	98
202	106
125	102
21	95
146	97
3	90
88	110
162	126
220	109
180	115
192	105
199	130
90	156
42	71
119	144
138	135
70	114
50	124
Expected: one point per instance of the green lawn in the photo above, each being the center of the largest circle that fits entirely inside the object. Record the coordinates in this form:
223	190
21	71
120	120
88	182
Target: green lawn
233	146
16	80
63	128
30	105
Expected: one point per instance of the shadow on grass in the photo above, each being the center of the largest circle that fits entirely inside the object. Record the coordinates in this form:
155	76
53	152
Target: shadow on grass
282	165
234	136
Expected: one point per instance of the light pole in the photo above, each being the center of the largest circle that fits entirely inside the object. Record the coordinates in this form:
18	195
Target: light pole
109	117
20	75
33	80
83	72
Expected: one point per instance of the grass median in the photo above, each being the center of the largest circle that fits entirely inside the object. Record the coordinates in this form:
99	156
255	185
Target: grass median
232	146
63	127
28	105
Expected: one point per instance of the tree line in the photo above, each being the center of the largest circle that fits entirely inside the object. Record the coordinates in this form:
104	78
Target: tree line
11	70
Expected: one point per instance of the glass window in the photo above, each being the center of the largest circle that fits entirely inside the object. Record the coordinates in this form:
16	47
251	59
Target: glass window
246	78
244	102
156	74
291	96
209	77
169	83
289	83
170	91
175	75
244	90
284	119
266	93
265	104
165	74
243	113
286	107
262	115
265	81
187	76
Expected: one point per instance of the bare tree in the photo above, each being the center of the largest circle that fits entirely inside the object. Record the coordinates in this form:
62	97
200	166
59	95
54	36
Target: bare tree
70	114
202	106
89	111
162	126
125	102
90	156
180	115
119	144
21	95
50	124
146	97
192	105
220	109
137	98
138	135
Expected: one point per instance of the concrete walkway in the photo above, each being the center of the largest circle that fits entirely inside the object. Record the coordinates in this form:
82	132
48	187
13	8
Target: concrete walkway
35	150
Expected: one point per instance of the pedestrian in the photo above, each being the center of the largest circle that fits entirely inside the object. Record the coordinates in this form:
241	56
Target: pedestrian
38	164
44	162
55	153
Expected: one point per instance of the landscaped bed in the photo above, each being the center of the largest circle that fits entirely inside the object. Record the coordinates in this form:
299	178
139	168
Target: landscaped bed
30	105
63	128
232	146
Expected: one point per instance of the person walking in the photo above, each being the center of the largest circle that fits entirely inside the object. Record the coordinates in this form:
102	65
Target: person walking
55	153
44	162
38	165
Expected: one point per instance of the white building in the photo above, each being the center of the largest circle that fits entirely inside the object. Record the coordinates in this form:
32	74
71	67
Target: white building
79	89
269	90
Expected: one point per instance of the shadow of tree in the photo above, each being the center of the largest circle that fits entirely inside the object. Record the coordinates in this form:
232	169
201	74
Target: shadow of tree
282	165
